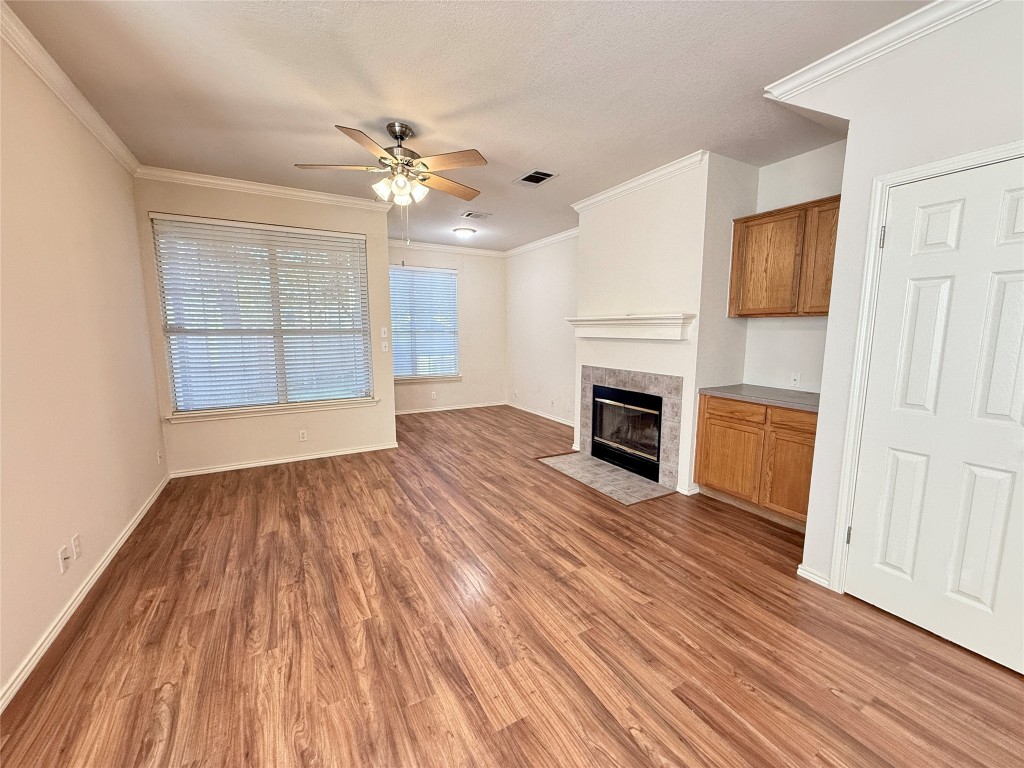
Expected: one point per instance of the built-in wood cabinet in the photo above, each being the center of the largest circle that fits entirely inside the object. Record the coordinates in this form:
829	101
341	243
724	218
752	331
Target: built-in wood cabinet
782	261
760	454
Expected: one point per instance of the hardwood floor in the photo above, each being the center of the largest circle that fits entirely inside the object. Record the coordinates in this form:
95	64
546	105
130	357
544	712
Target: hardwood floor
456	603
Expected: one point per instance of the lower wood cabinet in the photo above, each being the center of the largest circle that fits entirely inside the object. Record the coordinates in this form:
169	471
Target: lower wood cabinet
760	454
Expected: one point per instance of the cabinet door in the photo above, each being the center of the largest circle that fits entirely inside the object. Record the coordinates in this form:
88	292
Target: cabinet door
766	258
730	457
819	256
786	483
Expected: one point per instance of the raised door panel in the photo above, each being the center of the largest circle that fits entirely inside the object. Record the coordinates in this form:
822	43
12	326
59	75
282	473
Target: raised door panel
786	482
731	457
819	256
766	264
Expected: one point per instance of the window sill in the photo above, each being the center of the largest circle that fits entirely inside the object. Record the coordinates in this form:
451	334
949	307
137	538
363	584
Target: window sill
415	379
269	410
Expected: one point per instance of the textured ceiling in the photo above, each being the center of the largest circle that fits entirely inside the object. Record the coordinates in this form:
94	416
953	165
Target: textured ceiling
597	92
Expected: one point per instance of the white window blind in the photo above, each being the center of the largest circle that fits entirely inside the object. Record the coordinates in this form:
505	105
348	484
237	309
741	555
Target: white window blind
260	315
424	322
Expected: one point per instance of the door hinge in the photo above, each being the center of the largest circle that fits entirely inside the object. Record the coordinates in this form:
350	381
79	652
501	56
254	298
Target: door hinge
849	531
881	238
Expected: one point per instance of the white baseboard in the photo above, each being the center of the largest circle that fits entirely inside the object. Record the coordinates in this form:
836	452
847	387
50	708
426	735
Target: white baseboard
29	663
286	460
543	415
691	489
448	408
575	446
812	575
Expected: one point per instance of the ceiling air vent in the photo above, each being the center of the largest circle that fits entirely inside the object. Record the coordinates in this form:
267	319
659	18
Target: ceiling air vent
475	215
534	178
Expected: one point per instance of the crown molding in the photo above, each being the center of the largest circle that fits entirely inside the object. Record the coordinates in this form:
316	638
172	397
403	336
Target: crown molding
569	234
461	250
921	22
257	188
667	171
14	32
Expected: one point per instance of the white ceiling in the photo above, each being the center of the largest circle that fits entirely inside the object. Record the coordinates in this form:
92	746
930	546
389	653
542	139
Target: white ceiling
597	92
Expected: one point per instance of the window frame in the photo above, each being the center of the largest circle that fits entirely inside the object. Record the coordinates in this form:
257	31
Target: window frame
427	377
171	414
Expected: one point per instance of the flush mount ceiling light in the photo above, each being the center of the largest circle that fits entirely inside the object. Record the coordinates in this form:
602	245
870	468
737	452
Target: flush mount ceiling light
410	176
464	232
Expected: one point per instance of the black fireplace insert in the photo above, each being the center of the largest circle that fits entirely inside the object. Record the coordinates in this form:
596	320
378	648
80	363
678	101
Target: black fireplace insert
627	430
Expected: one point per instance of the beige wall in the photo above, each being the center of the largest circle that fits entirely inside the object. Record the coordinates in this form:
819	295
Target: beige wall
777	347
197	446
541	288
640	253
80	431
481	290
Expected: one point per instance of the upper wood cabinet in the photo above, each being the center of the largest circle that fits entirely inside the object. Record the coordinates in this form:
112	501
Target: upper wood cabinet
782	261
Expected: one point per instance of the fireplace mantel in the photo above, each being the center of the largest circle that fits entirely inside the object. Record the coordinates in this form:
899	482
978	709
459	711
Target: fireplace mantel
670	327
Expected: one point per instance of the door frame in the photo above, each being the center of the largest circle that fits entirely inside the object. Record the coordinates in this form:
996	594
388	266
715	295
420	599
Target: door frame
880	190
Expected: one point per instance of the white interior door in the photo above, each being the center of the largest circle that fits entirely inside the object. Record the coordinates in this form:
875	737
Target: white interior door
937	533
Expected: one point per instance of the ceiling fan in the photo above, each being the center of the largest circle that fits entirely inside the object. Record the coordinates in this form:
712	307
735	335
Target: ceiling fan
409	175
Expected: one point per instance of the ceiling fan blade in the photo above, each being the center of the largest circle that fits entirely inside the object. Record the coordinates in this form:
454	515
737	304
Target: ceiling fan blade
441	184
372	168
464	159
366	143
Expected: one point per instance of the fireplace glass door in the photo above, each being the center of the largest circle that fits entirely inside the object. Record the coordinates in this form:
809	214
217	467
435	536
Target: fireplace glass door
627	429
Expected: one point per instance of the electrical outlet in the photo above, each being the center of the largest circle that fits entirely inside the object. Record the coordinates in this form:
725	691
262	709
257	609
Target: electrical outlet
159	457
62	559
76	545
384	332
384	346
515	393
794	380
433	395
302	436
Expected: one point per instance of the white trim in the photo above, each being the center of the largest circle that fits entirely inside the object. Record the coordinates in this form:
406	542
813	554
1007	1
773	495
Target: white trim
423	268
667	171
448	408
268	410
575	446
418	379
459	250
543	415
691	489
812	575
549	240
672	327
158	216
29	663
865	331
283	460
23	42
257	188
921	22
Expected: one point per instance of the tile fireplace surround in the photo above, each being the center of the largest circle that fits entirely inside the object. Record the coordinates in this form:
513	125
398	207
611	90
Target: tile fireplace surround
669	388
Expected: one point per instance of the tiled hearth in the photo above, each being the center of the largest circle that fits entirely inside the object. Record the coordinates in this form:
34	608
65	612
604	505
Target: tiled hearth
669	388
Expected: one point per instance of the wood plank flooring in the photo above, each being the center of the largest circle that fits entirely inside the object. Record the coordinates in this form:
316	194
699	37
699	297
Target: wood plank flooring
457	603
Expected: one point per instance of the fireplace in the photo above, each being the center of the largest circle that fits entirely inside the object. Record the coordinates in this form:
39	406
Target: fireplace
627	430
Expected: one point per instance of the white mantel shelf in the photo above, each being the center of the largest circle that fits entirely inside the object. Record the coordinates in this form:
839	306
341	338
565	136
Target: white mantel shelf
672	327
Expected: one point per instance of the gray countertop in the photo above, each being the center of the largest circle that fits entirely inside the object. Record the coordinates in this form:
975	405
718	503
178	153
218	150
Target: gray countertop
751	393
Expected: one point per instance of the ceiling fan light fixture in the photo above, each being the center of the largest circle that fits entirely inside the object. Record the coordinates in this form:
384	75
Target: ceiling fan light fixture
402	199
464	232
383	188
419	191
400	185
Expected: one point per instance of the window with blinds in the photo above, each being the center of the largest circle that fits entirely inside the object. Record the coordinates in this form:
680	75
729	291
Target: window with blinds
424	322
260	315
